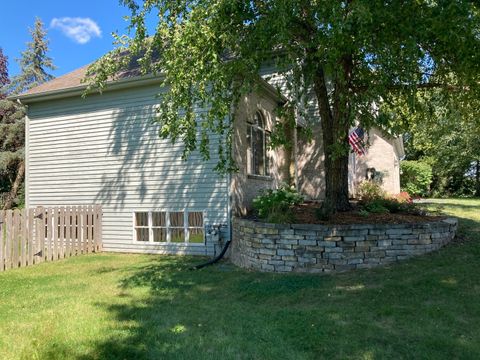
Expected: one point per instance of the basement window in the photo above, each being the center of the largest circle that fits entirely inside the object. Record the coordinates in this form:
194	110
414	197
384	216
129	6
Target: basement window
177	227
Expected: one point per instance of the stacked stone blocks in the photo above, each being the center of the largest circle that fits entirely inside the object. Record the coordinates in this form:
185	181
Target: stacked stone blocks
326	248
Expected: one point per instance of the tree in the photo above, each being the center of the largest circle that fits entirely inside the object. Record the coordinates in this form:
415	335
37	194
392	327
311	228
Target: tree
416	177
34	62
352	54
33	65
12	141
446	135
4	79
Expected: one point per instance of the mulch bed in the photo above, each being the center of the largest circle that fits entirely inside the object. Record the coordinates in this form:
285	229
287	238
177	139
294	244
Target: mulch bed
306	214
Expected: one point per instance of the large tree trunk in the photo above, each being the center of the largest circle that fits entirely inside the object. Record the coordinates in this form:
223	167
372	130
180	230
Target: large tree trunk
9	200
336	181
335	125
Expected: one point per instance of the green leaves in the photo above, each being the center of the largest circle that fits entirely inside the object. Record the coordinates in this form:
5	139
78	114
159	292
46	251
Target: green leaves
371	54
276	205
34	62
416	177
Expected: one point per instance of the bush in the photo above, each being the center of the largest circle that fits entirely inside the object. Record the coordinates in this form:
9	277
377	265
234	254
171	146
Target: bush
403	197
401	203
275	206
376	206
416	177
375	201
368	191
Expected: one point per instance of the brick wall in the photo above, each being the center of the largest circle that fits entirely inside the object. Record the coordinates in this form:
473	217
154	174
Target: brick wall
245	187
381	155
321	248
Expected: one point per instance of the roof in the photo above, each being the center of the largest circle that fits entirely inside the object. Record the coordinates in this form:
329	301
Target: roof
72	79
71	84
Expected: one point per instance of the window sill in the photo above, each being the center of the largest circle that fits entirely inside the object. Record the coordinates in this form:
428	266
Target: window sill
259	177
168	244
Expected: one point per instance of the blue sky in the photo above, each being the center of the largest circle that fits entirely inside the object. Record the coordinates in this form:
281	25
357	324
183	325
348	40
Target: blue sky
79	34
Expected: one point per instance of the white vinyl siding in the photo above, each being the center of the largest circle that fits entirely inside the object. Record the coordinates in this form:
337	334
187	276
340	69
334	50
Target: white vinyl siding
105	150
309	113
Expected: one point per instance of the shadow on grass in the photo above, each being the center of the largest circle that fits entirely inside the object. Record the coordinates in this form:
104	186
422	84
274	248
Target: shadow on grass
421	308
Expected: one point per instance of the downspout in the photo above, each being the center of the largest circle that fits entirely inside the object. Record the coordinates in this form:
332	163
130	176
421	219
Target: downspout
215	259
229	229
229	221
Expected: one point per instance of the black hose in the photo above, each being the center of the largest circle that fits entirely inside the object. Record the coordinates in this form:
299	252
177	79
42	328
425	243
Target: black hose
215	259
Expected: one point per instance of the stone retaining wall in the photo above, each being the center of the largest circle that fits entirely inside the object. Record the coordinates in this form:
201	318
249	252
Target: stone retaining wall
325	248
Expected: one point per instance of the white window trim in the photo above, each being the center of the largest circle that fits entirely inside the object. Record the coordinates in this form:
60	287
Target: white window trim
185	228
266	161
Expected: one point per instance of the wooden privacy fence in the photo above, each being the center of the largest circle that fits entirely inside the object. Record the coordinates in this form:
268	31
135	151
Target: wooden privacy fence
32	236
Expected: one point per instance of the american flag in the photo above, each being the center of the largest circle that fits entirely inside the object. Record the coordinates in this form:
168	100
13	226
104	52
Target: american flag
355	139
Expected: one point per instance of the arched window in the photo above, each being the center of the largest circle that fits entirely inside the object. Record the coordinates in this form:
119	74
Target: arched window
257	138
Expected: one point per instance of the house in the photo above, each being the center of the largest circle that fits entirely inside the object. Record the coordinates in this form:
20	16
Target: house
381	163
105	149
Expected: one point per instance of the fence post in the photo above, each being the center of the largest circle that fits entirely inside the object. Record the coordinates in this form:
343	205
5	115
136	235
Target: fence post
30	238
61	230
98	232
54	238
16	237
68	232
8	240
91	224
39	235
2	240
76	231
84	229
24	237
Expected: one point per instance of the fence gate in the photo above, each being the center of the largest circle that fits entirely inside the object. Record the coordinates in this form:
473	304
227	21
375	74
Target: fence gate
32	236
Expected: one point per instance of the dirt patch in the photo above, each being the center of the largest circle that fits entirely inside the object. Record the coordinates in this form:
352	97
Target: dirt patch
306	214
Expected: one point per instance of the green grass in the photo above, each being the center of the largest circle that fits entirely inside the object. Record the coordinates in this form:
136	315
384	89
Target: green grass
152	307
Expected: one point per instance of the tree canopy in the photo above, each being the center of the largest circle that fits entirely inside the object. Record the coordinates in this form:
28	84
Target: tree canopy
446	135
351	54
4	79
34	62
12	136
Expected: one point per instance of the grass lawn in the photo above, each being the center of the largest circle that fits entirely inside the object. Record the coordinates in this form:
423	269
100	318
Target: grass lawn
112	306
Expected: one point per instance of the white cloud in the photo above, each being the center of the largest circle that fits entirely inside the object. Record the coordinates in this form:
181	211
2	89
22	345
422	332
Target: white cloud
80	30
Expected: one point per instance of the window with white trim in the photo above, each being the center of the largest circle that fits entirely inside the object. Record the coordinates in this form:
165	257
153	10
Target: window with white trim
169	227
257	140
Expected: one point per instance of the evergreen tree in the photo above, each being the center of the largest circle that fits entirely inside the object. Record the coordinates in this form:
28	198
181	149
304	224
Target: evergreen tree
33	65
34	62
12	139
4	80
12	143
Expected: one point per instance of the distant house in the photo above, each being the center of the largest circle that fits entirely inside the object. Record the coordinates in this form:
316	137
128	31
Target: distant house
381	163
104	149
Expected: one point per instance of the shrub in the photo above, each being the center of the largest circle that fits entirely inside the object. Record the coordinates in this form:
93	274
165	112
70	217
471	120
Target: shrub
373	199
395	205
416	177
400	203
363	212
368	191
403	197
376	206
275	206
